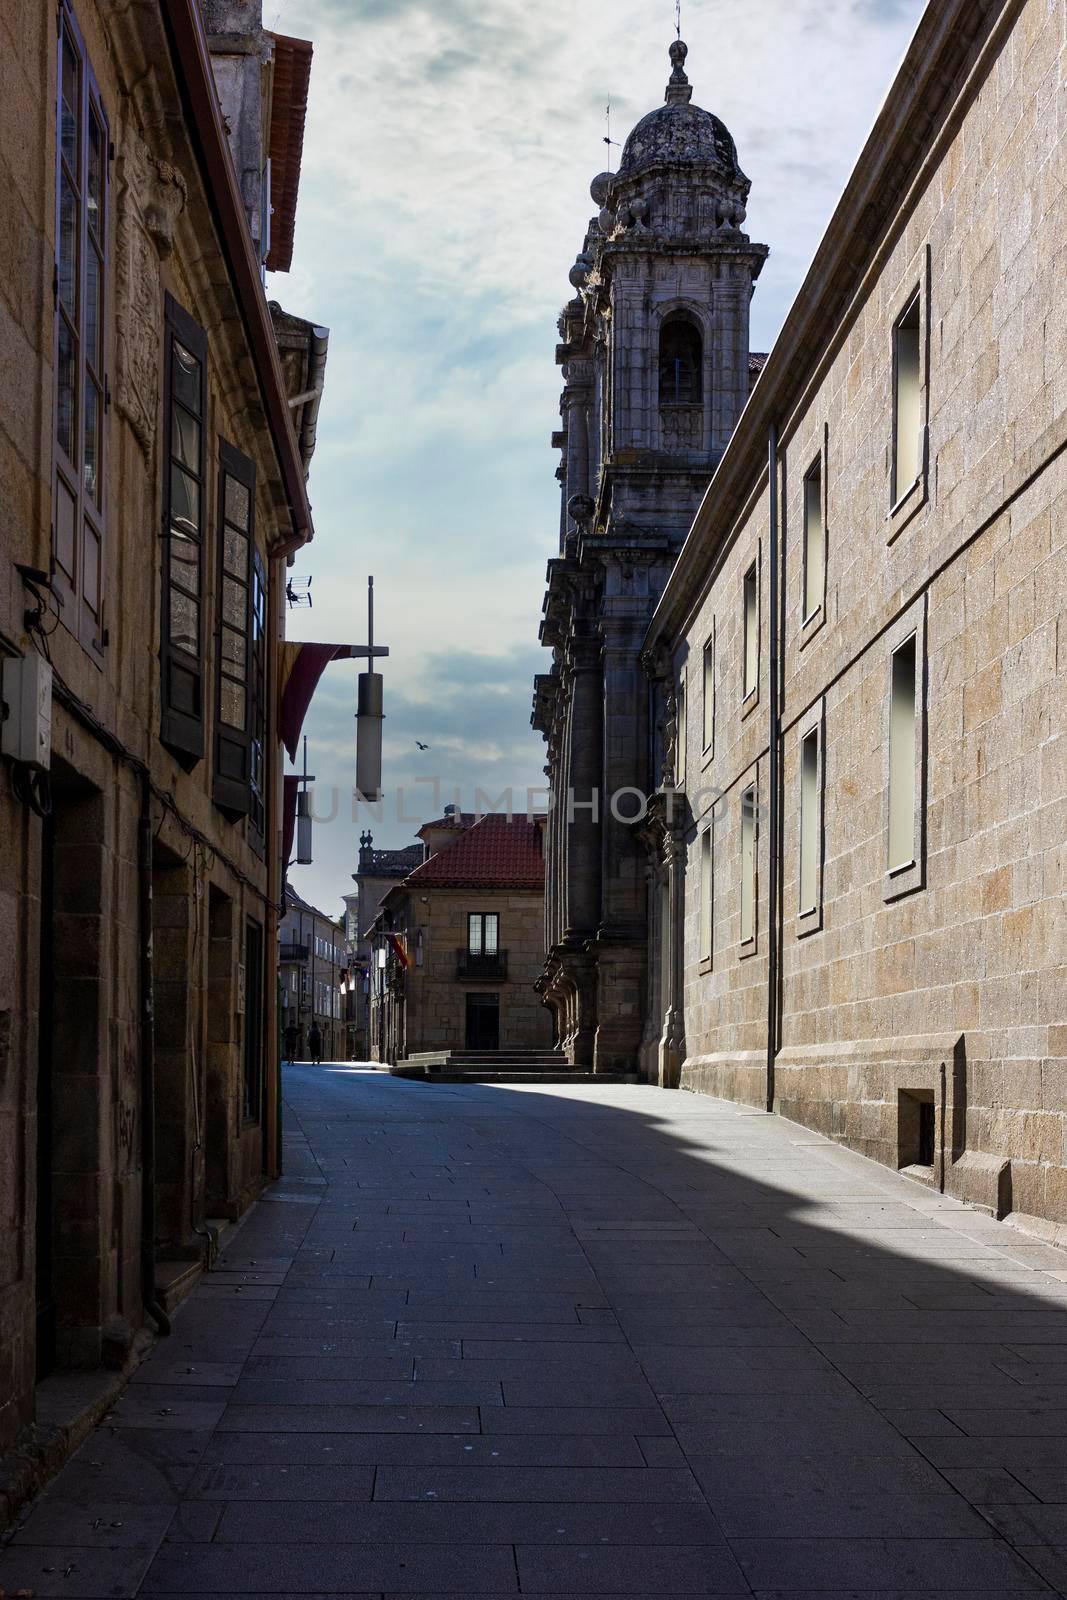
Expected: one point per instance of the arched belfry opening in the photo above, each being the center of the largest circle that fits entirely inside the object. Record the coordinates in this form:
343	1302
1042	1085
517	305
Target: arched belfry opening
681	383
681	362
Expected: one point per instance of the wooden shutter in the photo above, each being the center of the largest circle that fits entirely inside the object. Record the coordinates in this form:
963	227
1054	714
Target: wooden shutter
233	701
184	527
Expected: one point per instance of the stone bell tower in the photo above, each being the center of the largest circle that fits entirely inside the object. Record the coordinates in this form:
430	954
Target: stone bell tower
656	368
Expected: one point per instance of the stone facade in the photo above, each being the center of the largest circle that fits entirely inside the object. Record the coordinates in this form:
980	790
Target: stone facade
656	368
311	961
454	993
379	871
137	1014
908	552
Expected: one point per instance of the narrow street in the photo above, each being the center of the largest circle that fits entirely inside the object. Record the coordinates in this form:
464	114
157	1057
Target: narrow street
581	1341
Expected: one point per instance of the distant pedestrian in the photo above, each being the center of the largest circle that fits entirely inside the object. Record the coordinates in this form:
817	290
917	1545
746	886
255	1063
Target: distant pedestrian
315	1044
292	1039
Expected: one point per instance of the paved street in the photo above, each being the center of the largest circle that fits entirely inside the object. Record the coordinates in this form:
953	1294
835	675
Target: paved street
581	1341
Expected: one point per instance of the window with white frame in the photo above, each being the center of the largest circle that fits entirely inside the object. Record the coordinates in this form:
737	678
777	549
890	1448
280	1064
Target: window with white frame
814	540
483	933
748	865
708	701
810	809
707	892
902	751
907	398
750	676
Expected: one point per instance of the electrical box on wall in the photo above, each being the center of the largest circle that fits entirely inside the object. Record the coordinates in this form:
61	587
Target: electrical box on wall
26	692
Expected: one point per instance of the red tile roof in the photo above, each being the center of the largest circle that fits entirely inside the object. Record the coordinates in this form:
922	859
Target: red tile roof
496	853
292	73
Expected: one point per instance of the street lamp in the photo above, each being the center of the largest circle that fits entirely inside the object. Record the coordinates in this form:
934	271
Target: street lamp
369	716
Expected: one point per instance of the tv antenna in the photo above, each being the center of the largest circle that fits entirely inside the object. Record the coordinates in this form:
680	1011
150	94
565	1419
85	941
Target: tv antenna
608	140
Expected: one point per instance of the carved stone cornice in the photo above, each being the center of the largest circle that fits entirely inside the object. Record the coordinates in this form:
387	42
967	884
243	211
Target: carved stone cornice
578	377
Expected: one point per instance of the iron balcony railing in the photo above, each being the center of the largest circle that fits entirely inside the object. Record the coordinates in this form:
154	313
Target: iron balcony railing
293	952
472	965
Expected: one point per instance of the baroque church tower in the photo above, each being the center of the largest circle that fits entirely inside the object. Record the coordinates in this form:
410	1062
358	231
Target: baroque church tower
656	368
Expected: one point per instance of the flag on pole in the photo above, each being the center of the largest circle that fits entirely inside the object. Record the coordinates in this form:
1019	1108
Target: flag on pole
399	944
301	666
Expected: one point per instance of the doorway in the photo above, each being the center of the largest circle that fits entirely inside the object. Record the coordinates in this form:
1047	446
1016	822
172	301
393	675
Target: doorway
253	1020
483	1022
44	1277
74	1089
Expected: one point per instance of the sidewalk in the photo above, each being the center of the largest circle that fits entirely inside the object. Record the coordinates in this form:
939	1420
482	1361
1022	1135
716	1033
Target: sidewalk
581	1341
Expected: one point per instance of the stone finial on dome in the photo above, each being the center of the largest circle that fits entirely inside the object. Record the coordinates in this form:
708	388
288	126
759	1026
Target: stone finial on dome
679	91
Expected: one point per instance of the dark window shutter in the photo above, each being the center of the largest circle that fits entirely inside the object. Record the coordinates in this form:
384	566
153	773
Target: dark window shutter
182	635
231	782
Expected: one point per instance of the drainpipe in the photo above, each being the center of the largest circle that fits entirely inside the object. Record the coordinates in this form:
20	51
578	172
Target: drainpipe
774	776
148	1068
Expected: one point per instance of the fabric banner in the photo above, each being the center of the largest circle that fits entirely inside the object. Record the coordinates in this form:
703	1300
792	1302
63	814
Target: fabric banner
301	667
400	949
292	789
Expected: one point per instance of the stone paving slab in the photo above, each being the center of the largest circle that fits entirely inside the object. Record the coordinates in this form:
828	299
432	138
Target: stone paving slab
530	1485
338	1569
581	1340
399	1522
442	1449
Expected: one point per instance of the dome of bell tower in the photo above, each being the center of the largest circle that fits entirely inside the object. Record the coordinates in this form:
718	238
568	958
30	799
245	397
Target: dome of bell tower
678	132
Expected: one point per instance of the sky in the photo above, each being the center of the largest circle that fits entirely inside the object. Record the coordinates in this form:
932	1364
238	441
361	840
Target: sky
444	194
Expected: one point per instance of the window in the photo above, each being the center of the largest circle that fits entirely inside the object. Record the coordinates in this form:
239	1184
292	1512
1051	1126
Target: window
231	783
907	399
751	631
483	930
809	822
707	892
681	362
184	407
82	154
902	765
748	865
814	541
257	808
708	702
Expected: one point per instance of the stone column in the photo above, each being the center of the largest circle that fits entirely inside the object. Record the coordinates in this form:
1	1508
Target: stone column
625	714
622	932
575	404
672	1040
650	1038
586	781
731	356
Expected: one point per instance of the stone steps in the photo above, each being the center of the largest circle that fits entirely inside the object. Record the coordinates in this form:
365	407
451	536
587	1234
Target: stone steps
499	1066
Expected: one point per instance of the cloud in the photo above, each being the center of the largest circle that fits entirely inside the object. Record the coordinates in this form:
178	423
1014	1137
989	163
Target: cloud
444	193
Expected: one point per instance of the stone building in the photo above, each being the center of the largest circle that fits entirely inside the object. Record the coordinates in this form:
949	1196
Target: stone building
860	895
153	489
656	367
311	966
457	945
379	871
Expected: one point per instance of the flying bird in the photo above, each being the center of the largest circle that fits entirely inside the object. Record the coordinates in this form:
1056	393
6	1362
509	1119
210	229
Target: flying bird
421	745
